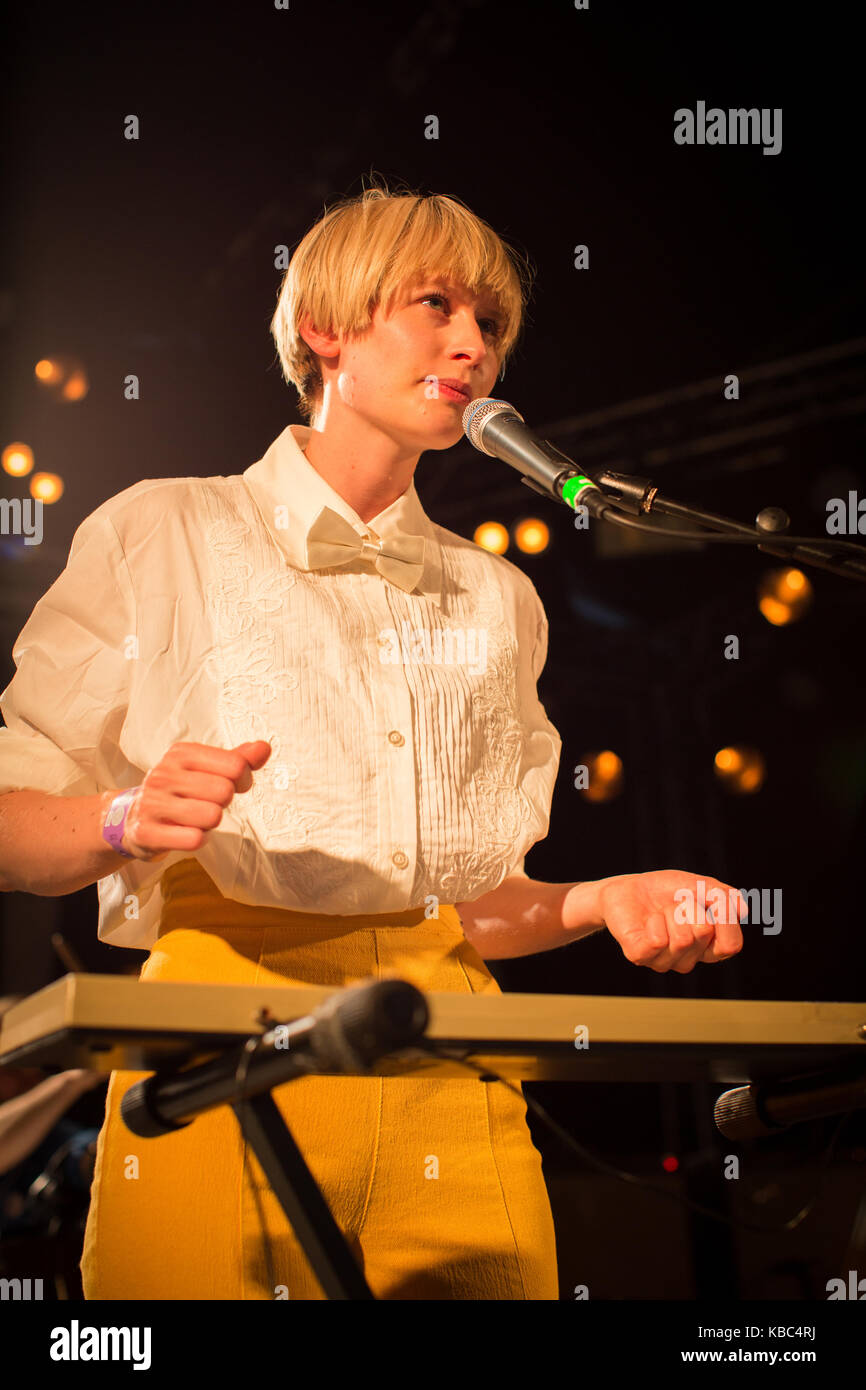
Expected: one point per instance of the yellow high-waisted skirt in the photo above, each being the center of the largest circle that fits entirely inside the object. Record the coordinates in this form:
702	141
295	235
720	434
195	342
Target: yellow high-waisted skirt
435	1183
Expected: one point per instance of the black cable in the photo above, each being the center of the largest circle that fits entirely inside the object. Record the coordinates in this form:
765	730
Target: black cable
611	513
633	1178
252	1044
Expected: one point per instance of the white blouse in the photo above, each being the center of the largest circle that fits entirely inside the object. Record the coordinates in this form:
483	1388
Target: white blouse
410	753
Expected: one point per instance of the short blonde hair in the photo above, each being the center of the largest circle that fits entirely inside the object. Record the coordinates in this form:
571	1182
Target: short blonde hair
362	253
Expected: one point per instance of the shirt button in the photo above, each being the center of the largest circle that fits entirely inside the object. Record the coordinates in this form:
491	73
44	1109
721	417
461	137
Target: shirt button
396	737
400	859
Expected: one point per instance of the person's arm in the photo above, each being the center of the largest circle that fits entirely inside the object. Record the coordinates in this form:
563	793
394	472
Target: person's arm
51	845
524	916
63	711
25	1120
658	918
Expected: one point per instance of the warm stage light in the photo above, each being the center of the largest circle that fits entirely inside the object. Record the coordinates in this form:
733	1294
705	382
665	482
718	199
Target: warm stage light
49	371
741	770
492	535
63	377
531	536
784	596
75	388
17	460
48	487
603	776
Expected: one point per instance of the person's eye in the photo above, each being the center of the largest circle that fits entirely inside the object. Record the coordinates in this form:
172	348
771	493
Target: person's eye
493	330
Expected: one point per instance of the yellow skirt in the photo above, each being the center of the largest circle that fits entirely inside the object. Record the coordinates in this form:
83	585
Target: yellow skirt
435	1184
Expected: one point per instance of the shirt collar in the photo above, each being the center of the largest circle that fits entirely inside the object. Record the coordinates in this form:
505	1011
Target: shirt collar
285	478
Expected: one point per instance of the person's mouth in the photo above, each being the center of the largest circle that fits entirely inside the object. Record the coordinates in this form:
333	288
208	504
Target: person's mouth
451	389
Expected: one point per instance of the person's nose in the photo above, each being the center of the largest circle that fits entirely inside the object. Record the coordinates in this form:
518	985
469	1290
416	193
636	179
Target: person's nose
468	340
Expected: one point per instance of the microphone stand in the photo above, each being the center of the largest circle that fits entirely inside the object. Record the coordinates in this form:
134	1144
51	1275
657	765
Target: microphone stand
640	496
495	428
353	1028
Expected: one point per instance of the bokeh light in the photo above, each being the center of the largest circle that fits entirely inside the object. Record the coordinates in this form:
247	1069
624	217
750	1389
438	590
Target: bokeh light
48	487
17	460
62	377
492	535
740	769
531	536
604	776
784	595
48	371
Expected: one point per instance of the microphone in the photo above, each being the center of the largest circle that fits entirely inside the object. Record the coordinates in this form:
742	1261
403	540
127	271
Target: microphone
752	1112
344	1035
495	428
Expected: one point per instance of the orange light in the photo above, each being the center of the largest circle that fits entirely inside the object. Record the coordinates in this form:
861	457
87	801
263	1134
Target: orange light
750	779
604	776
17	460
492	535
775	612
47	487
63	377
76	388
531	536
740	770
728	760
47	370
784	595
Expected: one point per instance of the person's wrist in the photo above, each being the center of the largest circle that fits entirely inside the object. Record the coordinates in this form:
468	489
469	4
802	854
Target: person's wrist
582	906
114	822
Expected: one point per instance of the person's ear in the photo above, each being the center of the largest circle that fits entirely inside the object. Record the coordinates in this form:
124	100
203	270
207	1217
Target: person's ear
322	344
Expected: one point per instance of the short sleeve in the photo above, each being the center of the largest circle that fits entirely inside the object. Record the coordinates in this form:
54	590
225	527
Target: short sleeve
66	704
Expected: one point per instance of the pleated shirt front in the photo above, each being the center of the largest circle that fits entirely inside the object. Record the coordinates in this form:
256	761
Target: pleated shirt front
411	757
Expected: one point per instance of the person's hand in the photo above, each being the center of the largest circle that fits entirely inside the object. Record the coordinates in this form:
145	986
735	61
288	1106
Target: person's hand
659	919
183	797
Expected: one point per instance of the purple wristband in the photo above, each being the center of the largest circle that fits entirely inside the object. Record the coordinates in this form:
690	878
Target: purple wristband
115	821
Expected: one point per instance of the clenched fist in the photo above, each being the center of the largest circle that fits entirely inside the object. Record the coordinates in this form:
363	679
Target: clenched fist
651	918
183	797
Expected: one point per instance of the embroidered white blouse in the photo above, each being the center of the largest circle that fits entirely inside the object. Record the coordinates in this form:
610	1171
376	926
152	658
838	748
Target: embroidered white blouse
410	753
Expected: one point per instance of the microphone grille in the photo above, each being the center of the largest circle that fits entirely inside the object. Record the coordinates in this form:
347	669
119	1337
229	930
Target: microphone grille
737	1116
476	415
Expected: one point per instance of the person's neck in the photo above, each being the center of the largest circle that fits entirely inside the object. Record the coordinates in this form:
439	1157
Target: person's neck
366	468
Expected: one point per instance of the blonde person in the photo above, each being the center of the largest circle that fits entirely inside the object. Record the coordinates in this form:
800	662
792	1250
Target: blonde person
312	799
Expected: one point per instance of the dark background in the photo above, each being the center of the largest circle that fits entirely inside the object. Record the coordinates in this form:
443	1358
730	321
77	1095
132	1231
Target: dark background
556	126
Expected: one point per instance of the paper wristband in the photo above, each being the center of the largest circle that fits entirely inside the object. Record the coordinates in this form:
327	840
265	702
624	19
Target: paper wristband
115	821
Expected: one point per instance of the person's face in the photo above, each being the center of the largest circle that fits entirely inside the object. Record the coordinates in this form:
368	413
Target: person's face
394	374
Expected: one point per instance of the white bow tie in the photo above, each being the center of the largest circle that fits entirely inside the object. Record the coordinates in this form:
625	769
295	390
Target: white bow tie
332	540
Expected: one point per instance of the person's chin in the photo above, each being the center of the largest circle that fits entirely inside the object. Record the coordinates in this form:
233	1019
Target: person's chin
443	435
